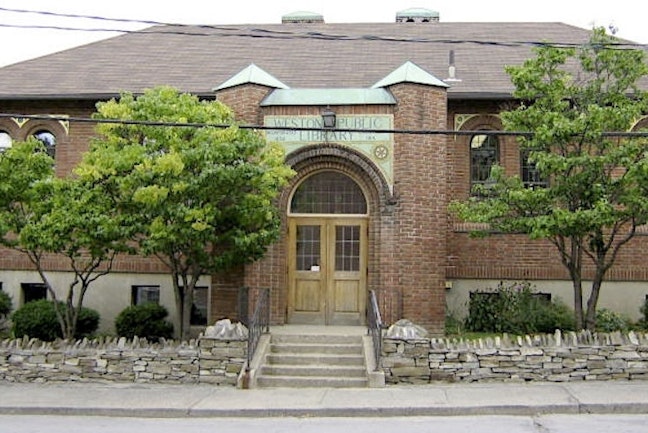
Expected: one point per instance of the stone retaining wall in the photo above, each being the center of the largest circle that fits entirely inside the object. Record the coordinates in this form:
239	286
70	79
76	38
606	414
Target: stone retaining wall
206	360
552	358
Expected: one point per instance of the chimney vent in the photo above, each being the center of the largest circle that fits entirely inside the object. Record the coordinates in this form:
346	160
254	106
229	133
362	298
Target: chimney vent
452	78
417	15
302	17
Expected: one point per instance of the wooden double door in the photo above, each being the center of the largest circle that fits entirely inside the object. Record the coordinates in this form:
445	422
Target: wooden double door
327	270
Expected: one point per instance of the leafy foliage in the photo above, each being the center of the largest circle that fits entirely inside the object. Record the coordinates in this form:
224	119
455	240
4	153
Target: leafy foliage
38	319
609	321
598	184
6	304
41	214
201	198
643	322
516	309
145	321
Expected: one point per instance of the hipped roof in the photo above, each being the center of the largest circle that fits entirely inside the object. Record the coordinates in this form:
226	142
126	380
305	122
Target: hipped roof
198	59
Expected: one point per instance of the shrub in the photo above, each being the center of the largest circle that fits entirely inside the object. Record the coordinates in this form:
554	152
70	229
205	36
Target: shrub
145	321
609	321
5	304
453	324
37	319
5	309
643	322
516	309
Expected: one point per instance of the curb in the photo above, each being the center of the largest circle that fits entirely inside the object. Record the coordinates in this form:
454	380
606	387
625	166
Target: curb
510	410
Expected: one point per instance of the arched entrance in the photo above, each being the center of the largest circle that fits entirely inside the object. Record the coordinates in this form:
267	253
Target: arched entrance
327	251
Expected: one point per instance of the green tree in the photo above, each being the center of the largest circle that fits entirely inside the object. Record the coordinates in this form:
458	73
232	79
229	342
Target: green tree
598	184
41	216
202	197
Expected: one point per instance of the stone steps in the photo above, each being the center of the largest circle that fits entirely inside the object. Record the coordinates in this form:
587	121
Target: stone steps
301	361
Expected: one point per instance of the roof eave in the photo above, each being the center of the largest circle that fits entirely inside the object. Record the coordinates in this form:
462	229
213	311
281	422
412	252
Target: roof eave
83	96
480	95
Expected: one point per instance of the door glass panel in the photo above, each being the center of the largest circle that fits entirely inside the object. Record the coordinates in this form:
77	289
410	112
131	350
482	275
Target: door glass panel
308	248
329	192
347	248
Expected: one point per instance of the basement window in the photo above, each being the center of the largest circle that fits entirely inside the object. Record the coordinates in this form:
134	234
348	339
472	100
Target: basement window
141	295
33	292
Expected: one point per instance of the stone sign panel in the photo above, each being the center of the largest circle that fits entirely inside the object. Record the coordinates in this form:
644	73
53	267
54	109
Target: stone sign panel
358	131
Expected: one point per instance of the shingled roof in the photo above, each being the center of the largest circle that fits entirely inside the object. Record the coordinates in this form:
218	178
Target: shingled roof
198	59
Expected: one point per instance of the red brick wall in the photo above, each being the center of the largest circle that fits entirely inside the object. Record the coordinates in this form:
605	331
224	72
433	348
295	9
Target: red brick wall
418	224
510	256
414	244
244	100
72	140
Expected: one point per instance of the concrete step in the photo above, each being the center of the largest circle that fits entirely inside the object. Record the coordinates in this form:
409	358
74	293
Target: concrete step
315	339
332	348
311	382
314	359
314	370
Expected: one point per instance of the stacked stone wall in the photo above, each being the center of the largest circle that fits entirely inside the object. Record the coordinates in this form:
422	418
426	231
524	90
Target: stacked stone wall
549	358
206	360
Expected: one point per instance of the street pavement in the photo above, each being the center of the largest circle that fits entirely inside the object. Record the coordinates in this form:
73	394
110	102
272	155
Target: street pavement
441	399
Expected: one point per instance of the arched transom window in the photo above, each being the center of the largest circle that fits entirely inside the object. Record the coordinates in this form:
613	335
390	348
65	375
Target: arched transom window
5	140
49	141
329	192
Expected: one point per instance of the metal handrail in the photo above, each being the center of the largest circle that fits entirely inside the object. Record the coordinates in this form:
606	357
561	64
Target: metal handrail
259	323
375	326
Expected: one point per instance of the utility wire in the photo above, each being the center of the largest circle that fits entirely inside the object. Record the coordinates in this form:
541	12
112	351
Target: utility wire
253	32
626	134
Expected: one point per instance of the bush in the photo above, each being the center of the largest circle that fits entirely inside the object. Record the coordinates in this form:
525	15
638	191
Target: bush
5	309
453	324
145	321
5	304
610	321
37	319
643	322
516	309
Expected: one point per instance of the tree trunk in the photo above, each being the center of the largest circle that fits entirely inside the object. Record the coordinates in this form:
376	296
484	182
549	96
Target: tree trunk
36	261
577	284
592	302
185	333
178	292
574	265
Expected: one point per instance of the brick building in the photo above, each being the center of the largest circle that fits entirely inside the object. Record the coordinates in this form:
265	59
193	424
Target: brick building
366	210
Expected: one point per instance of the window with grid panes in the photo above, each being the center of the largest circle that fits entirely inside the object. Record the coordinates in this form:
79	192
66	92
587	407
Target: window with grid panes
329	192
531	177
484	154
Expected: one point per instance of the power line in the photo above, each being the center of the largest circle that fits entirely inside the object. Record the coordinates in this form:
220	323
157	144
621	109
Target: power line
254	32
625	134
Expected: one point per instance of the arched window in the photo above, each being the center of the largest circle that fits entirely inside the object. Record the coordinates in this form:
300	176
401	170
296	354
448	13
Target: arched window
5	140
48	139
329	192
484	154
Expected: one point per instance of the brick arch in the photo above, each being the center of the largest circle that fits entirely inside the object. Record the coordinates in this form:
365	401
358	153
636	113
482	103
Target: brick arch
482	121
53	126
486	122
12	128
642	123
311	159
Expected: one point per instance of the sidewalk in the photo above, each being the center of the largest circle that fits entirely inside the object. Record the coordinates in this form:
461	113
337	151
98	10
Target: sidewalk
147	400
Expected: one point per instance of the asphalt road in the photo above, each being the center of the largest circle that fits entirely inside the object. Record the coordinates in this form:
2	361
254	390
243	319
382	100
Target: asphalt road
458	424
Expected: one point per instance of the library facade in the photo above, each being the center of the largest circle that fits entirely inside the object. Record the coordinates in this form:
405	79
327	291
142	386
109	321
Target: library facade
367	125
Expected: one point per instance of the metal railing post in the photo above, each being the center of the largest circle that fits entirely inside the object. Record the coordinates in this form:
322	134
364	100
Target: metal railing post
259	323
375	326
